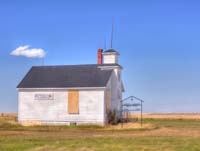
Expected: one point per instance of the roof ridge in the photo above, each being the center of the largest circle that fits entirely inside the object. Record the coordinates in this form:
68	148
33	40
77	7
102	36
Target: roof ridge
67	65
109	64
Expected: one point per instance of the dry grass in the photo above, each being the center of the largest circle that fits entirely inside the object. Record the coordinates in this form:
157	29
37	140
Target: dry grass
183	116
130	125
11	118
160	134
153	125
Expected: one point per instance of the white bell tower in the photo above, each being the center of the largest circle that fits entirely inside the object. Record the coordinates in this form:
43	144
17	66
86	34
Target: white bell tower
110	56
110	61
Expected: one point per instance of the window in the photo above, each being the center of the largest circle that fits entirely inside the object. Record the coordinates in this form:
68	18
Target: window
119	75
73	102
119	93
107	101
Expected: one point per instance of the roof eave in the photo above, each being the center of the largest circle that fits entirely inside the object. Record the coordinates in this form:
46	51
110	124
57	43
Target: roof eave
110	53
65	88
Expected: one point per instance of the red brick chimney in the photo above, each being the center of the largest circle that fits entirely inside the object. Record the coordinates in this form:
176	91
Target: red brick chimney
99	53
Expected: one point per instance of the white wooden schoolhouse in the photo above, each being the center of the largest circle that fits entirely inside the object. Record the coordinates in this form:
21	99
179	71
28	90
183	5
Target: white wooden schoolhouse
71	94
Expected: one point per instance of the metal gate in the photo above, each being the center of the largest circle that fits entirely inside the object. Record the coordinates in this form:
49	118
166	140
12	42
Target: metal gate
129	106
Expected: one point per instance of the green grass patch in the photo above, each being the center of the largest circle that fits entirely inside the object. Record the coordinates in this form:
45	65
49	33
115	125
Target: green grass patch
99	144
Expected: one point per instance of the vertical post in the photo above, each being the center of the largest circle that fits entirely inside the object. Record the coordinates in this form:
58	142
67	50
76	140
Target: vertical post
121	115
105	44
111	40
141	115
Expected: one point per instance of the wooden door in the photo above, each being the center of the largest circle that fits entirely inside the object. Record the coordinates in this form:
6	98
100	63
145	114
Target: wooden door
73	102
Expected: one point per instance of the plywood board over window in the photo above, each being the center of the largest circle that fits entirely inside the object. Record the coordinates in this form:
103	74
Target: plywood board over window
107	101
73	102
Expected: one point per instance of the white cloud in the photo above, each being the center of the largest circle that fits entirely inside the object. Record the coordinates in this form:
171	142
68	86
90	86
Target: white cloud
26	51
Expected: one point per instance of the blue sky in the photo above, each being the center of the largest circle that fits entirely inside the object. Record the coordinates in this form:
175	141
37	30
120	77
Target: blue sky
159	43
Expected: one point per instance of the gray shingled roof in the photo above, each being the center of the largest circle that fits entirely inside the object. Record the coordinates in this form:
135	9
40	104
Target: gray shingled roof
66	76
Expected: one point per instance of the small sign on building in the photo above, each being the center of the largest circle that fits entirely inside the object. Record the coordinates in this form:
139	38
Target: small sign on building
45	96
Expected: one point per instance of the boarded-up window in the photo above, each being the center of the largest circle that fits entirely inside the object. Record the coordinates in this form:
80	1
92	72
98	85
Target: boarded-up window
107	101
73	102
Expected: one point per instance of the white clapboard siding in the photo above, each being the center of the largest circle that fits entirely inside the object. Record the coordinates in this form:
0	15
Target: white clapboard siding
91	107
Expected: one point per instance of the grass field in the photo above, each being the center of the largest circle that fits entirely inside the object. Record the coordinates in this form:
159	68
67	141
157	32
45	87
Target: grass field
158	134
